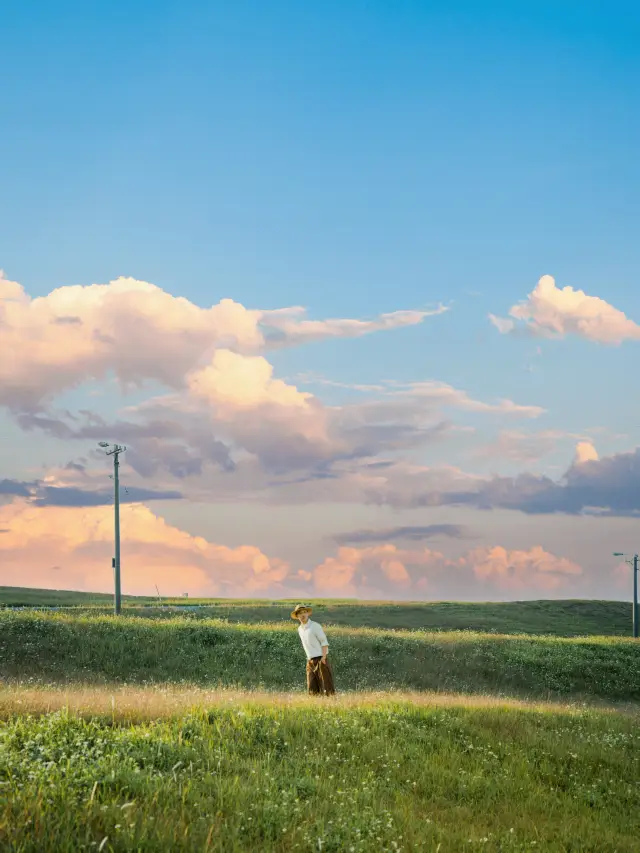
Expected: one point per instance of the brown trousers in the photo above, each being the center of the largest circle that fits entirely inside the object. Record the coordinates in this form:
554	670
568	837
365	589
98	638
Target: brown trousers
319	678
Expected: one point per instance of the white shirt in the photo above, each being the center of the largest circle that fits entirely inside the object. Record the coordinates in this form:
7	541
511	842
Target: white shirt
313	639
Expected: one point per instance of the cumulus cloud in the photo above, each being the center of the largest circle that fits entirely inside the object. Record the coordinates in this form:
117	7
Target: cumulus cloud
386	571
137	332
71	548
236	383
550	311
520	570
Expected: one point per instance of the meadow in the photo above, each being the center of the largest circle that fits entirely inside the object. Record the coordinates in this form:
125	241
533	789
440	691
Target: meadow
100	649
188	732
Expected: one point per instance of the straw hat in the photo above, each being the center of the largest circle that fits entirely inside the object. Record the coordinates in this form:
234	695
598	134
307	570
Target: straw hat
300	607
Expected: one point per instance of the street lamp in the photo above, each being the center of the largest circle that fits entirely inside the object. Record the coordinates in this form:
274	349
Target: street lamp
115	451
633	561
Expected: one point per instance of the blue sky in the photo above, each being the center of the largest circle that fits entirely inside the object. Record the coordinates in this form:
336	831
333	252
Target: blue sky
354	158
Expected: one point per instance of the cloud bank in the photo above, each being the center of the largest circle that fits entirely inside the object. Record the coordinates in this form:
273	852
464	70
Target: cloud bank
71	548
609	486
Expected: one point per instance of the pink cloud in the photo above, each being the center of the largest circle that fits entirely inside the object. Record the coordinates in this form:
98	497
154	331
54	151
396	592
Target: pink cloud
585	452
390	572
553	312
520	570
71	548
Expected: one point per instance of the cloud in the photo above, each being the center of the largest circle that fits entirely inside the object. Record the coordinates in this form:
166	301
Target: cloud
585	452
235	383
56	491
428	394
520	570
71	548
14	487
234	406
386	571
70	497
415	533
157	444
608	487
287	326
138	332
550	311
445	395
519	446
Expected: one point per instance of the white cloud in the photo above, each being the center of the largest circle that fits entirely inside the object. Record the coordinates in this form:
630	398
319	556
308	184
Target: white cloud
550	311
139	332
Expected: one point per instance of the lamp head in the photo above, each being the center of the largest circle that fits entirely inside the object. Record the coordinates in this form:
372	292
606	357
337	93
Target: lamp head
103	444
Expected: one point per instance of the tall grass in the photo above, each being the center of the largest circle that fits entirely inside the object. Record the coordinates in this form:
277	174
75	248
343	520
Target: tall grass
102	649
260	777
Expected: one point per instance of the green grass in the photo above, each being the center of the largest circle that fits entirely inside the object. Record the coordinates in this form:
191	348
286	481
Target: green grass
58	647
133	734
263	777
559	618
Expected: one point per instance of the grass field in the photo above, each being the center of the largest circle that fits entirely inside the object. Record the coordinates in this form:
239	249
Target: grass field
271	775
191	733
558	618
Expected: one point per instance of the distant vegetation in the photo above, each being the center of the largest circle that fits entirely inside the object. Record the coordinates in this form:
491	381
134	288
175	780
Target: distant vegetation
19	596
556	618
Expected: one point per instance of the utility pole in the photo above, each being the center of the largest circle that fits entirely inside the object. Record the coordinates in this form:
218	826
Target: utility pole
636	615
635	595
115	451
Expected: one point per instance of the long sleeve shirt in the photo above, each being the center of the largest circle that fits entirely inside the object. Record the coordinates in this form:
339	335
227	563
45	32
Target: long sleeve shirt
313	639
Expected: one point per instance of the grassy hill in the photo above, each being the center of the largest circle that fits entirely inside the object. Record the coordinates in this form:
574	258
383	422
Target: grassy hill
557	618
105	649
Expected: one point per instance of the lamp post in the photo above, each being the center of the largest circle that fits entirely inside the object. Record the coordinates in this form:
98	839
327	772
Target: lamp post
115	451
632	560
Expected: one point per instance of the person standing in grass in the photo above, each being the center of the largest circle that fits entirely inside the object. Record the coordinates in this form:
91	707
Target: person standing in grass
316	646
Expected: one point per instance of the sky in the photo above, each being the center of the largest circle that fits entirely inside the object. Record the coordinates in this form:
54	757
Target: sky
355	283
